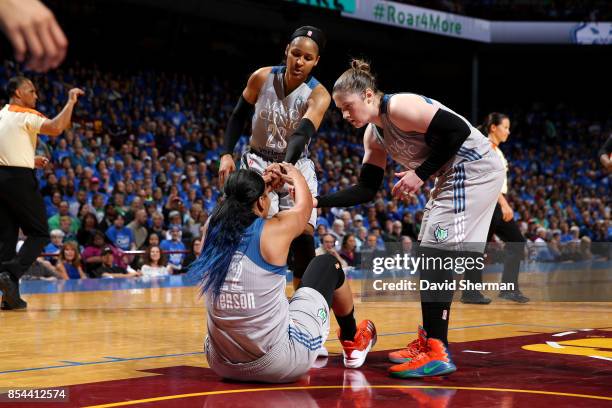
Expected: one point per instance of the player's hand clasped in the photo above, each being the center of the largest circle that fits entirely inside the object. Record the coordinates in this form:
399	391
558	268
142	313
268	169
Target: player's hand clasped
409	183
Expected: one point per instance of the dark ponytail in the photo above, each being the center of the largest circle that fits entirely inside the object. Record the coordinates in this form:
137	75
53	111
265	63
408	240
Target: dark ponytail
493	118
226	228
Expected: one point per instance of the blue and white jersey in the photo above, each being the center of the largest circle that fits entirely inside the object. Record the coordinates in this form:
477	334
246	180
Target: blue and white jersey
251	312
409	148
278	115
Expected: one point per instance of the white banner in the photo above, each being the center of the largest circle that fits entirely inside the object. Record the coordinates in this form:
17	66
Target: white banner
458	26
422	19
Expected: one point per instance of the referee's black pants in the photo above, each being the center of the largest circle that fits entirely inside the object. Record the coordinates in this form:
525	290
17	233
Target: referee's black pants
21	206
508	232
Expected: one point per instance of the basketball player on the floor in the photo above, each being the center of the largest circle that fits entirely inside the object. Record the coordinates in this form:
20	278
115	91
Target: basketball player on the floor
428	139
497	127
254	332
286	106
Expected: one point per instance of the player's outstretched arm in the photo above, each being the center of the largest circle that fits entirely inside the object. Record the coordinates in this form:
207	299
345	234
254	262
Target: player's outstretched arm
318	102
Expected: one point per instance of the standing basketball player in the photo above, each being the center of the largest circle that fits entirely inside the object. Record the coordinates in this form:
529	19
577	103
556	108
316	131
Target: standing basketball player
21	205
497	127
254	332
428	139
286	106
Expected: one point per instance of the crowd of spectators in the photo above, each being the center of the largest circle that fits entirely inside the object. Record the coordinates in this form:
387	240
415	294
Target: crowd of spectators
138	171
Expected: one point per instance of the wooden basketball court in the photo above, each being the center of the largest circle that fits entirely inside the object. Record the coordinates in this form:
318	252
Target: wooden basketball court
116	343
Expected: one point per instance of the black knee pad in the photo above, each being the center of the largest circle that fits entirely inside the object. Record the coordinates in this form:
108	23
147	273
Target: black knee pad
301	252
323	274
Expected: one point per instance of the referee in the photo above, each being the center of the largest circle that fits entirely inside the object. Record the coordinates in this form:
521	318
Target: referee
497	127
21	205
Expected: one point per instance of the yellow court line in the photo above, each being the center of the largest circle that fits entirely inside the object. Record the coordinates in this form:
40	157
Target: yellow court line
323	387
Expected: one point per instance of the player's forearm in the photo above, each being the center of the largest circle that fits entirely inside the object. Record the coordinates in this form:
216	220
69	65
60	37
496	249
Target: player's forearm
370	180
238	119
303	196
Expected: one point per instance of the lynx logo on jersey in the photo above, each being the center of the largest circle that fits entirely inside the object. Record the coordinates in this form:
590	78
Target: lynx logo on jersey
441	234
280	122
322	313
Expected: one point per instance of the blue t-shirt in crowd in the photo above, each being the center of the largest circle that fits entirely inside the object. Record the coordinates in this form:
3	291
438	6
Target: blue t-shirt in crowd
169	245
121	238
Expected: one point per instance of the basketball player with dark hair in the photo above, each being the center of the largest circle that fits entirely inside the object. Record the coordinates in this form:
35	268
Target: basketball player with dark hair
21	205
254	332
428	139
285	105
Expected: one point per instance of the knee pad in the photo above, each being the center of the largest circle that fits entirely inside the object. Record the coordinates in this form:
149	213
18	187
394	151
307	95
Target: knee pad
301	252
324	274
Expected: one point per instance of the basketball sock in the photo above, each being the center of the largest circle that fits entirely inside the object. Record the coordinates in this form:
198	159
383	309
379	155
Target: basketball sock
435	319
348	326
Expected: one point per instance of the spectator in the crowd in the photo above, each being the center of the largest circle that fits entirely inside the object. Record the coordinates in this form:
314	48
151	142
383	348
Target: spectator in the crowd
393	232
110	269
585	249
348	250
194	252
174	244
195	219
63	211
152	240
69	262
138	226
337	230
408	226
407	244
92	254
328	246
78	202
66	227
154	263
174	220
89	224
360	238
54	247
370	244
356	224
121	236
157	225
110	213
319	232
97	202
